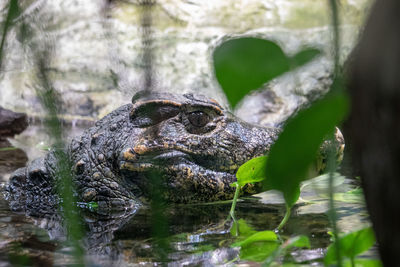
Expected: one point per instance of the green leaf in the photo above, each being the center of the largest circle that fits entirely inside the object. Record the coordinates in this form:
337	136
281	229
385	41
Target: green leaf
252	171
304	56
258	251
351	244
300	241
296	148
255	246
245	64
363	263
259	236
242	229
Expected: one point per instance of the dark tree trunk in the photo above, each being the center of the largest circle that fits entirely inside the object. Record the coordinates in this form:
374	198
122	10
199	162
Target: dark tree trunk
374	124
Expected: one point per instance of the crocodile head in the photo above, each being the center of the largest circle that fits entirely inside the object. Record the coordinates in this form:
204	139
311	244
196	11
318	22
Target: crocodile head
191	144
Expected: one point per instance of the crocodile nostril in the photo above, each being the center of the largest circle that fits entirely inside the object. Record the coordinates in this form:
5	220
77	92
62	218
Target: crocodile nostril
94	139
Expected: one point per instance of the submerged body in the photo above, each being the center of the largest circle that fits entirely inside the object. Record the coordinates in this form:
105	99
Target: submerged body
191	142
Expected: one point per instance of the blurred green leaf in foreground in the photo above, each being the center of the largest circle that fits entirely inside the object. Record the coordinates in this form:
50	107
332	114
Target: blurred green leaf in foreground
245	64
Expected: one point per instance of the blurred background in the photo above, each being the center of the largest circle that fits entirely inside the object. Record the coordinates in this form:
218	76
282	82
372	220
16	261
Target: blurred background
96	64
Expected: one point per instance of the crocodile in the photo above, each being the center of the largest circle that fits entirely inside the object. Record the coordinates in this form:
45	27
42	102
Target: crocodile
190	142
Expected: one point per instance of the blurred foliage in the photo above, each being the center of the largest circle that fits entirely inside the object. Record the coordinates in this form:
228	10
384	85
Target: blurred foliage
12	13
245	64
351	245
52	123
359	262
65	186
297	146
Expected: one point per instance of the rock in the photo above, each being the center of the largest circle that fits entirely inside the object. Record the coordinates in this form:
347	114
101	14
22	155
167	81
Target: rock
11	123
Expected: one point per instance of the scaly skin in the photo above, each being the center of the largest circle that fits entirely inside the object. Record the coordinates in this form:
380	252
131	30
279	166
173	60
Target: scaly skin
194	145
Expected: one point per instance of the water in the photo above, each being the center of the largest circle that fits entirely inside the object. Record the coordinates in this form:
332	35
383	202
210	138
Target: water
198	234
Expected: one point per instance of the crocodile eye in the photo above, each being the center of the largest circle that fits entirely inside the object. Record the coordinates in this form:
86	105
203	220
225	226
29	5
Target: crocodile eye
198	118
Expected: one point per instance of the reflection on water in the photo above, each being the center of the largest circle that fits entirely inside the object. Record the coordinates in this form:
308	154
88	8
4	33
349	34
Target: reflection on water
33	143
199	234
11	158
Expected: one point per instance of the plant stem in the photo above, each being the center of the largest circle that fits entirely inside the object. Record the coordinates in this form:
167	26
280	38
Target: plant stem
353	263
8	149
336	35
332	212
285	218
65	186
159	223
331	157
234	201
